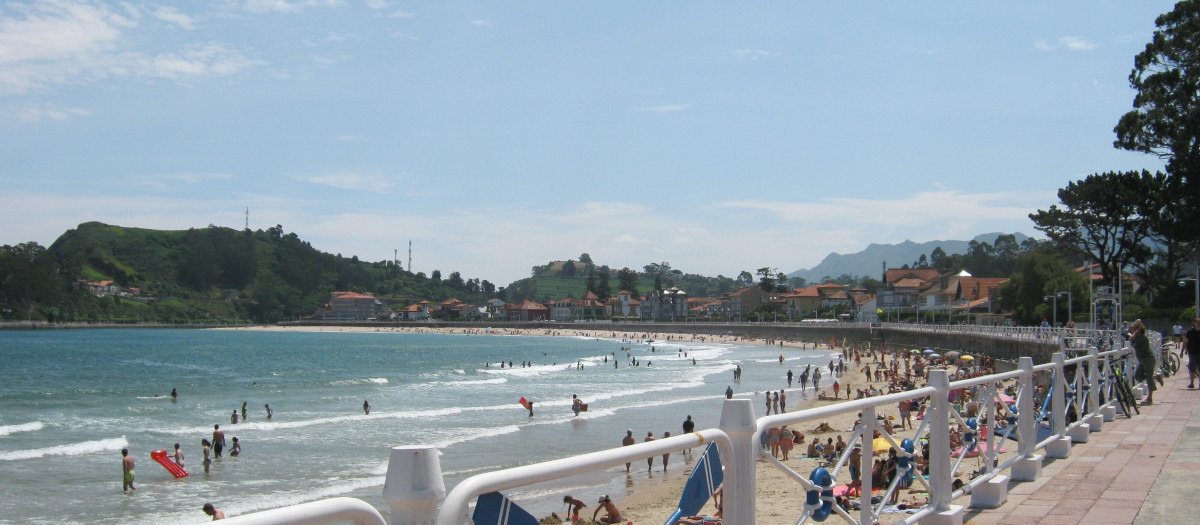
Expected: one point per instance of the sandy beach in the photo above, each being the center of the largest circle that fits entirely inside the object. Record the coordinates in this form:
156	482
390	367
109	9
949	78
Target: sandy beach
651	499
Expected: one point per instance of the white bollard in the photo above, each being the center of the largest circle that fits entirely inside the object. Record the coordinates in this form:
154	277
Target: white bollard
737	421
414	486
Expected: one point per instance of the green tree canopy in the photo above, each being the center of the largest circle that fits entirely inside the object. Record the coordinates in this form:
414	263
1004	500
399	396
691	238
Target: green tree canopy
1165	120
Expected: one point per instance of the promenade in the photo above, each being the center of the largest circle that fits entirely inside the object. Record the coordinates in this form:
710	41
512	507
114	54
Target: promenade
1144	470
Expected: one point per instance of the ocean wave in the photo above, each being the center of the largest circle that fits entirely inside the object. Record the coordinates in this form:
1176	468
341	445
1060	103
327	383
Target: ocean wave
363	381
278	500
74	449
283	425
23	427
474	434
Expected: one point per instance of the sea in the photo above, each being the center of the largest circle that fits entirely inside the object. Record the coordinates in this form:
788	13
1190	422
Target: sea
70	401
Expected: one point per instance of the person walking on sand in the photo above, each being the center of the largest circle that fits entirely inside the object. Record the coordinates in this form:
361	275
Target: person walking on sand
218	441
688	427
775	402
768	395
649	460
625	442
667	455
178	456
127	471
782	402
212	511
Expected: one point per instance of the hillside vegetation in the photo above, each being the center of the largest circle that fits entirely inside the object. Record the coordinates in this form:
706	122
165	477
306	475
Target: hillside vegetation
199	274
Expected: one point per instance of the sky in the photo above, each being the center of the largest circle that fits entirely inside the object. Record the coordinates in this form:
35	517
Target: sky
719	137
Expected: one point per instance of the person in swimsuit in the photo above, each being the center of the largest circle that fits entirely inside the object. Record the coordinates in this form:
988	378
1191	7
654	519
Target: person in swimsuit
269	411
244	411
573	506
613	514
212	511
178	456
649	460
207	459
174	394
237	448
625	442
218	441
667	455
127	471
233	420
366	408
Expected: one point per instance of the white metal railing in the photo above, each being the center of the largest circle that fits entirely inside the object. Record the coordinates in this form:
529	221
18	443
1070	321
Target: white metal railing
738	437
321	512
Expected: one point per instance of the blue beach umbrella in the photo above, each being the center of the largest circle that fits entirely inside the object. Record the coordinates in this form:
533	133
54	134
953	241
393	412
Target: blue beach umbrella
495	508
705	479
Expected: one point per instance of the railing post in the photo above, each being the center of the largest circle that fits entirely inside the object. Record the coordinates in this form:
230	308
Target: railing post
867	464
414	486
737	421
1095	421
940	476
1061	446
1029	468
1108	412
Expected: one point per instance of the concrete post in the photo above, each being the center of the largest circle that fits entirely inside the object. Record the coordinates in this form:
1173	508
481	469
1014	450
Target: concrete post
1061	446
413	486
940	476
1029	468
737	421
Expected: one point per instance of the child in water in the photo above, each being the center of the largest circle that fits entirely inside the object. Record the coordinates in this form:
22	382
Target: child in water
237	448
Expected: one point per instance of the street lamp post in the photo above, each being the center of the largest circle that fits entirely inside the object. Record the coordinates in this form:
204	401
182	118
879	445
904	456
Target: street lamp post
1053	314
1070	313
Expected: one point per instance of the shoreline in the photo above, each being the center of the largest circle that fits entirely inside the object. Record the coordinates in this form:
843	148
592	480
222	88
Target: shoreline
652	499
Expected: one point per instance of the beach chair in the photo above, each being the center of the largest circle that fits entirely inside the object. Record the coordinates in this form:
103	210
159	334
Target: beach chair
495	508
703	481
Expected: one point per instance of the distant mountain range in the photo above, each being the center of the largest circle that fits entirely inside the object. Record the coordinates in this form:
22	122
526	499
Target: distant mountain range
869	261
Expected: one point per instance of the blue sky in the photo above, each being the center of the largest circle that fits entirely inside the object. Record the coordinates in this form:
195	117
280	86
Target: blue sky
496	136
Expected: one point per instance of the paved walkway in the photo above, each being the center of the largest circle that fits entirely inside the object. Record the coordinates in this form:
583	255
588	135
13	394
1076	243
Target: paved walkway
1144	470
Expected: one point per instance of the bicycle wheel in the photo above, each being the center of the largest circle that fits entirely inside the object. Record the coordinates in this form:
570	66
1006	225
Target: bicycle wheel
1173	362
1127	394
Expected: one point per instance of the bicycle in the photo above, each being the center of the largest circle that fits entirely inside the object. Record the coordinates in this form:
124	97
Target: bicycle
1124	394
1168	362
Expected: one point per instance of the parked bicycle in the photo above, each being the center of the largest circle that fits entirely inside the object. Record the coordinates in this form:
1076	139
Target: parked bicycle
1168	362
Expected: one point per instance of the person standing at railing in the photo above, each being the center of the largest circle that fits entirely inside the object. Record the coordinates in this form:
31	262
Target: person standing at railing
1145	359
1192	346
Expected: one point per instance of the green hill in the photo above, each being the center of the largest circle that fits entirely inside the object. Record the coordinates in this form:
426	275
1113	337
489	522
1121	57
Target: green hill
198	274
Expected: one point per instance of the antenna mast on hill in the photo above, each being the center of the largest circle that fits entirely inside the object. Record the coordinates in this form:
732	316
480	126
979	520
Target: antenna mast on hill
410	256
395	257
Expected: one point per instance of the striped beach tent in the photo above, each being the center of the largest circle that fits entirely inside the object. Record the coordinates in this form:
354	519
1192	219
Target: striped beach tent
703	481
495	508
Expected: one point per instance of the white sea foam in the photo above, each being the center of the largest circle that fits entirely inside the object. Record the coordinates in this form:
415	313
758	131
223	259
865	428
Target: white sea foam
278	424
278	500
479	433
23	427
363	381
74	449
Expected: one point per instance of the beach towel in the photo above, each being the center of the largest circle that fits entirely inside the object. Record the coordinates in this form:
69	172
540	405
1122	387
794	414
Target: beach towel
703	481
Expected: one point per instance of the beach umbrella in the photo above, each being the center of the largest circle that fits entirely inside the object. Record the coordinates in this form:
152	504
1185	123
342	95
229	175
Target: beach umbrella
880	444
935	356
967	358
705	479
915	351
953	353
927	351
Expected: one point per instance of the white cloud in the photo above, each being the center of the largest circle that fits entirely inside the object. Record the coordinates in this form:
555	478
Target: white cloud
752	54
373	182
169	180
285	6
1070	43
375	4
1075	43
482	23
400	14
34	113
62	42
173	16
665	109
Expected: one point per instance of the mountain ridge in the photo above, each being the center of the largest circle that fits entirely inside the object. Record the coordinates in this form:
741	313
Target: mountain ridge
869	261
